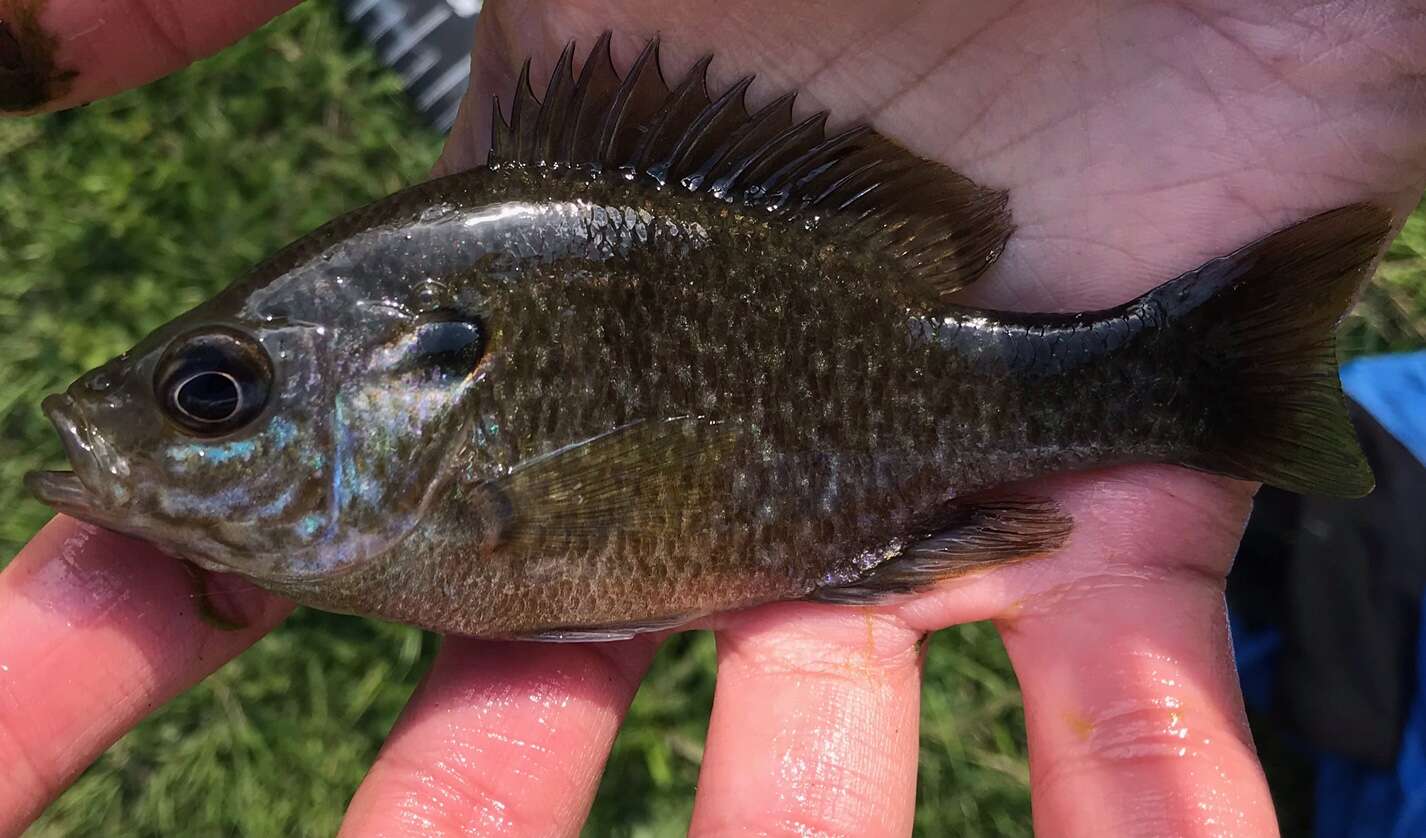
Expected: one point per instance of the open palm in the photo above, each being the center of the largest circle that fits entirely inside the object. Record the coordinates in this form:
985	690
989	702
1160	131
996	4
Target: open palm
1135	139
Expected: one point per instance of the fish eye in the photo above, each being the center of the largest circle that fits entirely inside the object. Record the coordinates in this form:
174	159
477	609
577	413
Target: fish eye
213	382
450	341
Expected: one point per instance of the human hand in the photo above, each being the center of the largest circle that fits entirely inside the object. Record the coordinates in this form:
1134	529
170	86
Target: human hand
1134	141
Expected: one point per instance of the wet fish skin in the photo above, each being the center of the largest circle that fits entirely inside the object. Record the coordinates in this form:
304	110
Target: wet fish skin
577	401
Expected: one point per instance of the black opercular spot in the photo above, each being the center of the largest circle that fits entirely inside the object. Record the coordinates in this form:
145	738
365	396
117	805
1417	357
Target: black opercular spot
450	342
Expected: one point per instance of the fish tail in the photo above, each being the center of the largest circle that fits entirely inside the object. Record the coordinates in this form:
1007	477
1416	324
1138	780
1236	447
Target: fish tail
1261	326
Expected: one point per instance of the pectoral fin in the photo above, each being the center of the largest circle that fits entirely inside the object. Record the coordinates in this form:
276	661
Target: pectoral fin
203	599
644	479
968	536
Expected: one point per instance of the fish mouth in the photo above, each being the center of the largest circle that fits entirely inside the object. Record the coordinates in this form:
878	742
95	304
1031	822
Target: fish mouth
81	491
98	490
62	490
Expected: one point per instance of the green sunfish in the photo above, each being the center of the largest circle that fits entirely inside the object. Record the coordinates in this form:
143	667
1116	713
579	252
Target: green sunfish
662	357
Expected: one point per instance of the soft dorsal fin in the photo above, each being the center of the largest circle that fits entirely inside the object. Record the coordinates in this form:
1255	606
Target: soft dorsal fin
940	227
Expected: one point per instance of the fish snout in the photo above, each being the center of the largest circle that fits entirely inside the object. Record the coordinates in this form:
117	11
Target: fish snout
98	468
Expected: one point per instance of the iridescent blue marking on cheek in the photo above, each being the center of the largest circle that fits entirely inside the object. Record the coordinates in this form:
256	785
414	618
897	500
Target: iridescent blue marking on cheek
219	504
341	462
238	450
279	504
368	490
309	525
281	432
487	432
196	452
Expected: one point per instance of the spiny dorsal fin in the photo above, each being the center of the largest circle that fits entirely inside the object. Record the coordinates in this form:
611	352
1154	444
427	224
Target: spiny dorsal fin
941	227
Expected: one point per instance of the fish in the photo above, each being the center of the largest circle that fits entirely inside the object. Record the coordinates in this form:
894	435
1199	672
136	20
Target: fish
663	357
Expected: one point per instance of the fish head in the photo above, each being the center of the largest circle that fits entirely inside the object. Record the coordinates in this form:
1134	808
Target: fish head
287	440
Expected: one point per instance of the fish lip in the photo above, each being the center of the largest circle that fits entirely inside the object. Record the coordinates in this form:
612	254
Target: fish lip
62	490
83	489
66	494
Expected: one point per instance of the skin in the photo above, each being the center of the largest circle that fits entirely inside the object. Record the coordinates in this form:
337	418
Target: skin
1136	141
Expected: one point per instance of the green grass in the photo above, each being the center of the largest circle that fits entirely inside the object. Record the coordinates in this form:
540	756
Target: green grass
118	216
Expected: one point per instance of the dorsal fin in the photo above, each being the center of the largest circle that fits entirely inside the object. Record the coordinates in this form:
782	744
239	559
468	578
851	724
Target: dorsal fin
941	227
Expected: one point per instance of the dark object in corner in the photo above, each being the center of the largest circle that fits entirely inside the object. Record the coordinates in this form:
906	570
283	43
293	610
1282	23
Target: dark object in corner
426	42
29	78
1342	580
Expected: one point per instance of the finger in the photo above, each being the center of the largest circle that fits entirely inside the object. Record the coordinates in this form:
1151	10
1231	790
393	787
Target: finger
59	54
507	738
814	728
96	631
1134	717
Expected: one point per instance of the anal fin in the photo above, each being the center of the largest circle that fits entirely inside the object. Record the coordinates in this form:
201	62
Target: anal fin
968	535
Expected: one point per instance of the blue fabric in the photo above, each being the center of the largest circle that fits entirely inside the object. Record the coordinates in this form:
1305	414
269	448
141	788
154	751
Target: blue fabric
1393	390
1357	802
1255	652
1411	765
1354	801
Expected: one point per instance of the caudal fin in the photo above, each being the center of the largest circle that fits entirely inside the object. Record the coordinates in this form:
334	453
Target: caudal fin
1264	319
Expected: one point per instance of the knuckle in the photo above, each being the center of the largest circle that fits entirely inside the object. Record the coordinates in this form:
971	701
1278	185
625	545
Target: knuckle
1158	741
